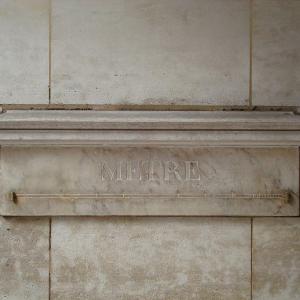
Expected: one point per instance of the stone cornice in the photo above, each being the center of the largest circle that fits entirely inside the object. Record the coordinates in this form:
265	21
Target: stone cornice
149	138
135	128
145	120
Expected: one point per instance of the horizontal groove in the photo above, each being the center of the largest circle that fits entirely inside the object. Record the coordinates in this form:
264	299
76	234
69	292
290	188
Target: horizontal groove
147	216
283	196
146	120
150	107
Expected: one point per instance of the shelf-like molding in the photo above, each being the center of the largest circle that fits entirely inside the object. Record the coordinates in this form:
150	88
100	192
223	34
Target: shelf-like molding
149	163
149	138
146	120
135	128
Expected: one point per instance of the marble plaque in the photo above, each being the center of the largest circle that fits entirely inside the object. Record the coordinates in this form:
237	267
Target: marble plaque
151	258
149	181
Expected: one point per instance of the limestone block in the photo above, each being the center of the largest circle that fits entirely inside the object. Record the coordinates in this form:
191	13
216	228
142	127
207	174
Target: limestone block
24	51
181	181
276	259
24	258
250	122
276	48
150	52
150	258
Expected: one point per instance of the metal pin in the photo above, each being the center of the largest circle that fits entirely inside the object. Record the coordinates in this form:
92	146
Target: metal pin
14	197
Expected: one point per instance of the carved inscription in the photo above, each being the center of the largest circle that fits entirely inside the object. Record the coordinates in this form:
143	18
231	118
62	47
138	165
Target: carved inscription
151	170
152	181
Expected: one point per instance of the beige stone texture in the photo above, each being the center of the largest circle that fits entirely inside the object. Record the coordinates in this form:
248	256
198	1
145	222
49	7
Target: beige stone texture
150	258
276	52
276	259
267	122
24	58
142	181
150	52
150	138
24	258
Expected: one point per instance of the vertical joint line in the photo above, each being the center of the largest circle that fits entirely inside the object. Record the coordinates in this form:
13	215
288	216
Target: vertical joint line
250	51
251	261
49	51
50	256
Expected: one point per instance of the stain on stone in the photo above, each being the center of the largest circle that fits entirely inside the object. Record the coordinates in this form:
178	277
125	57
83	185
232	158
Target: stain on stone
24	258
150	258
276	258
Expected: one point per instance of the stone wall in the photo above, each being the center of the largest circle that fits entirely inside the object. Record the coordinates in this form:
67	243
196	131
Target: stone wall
211	211
170	54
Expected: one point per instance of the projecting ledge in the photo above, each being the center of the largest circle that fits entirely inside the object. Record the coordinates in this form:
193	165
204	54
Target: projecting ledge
128	128
145	120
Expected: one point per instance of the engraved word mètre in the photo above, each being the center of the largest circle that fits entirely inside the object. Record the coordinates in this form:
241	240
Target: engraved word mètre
150	170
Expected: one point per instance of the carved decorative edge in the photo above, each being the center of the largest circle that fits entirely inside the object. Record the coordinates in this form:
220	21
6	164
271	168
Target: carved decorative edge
144	128
146	120
147	138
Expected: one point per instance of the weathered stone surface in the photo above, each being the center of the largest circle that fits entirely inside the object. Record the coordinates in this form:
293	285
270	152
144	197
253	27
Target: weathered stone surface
150	120
150	138
150	258
276	259
24	263
149	181
276	48
24	57
150	52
